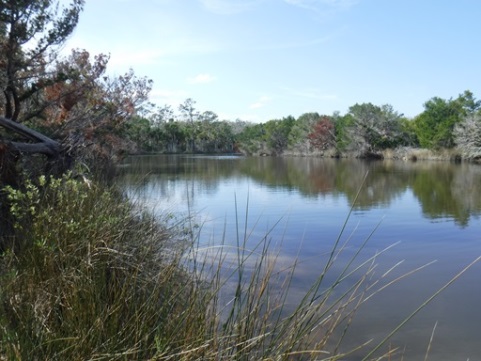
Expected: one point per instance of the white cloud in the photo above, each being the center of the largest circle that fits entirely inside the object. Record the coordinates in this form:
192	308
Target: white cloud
127	58
318	5
169	97
310	93
145	54
136	55
256	105
202	79
260	103
225	7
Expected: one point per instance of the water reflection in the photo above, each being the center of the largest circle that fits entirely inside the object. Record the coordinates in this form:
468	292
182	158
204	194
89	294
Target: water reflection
431	208
443	190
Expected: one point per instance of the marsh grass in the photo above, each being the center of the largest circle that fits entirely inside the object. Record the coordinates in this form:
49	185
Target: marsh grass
93	278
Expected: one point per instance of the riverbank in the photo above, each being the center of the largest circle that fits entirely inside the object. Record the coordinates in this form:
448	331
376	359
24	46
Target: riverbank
401	153
97	277
93	277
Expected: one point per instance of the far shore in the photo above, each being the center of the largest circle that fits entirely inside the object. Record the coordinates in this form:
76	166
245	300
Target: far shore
402	153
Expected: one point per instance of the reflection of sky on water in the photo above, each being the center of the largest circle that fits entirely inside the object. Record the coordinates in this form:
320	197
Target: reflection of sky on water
307	227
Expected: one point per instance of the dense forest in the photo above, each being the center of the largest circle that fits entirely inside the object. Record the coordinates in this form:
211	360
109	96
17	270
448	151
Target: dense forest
366	130
69	110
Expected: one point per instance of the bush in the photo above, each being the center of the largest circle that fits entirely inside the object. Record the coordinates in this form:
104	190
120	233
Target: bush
468	136
91	278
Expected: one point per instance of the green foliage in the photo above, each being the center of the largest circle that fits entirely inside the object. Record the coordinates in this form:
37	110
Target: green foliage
42	26
342	124
408	129
277	133
190	131
139	131
373	128
252	138
434	127
214	137
298	136
366	129
90	280
175	135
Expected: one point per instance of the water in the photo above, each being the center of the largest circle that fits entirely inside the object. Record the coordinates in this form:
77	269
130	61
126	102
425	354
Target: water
428	211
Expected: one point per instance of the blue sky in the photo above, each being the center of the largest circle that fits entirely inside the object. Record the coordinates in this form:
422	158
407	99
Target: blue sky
258	60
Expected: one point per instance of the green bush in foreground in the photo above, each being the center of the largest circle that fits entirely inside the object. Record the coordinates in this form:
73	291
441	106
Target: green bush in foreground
91	277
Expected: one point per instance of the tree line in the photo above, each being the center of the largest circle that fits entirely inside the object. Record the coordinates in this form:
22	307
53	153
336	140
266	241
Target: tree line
366	130
60	111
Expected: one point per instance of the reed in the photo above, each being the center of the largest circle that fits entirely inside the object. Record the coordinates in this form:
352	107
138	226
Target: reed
94	278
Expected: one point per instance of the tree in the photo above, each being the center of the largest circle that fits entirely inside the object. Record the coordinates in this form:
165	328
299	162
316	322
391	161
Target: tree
208	117
140	132
435	125
175	136
24	69
277	133
190	114
467	135
468	103
90	113
322	135
342	125
252	138
188	111
298	136
68	107
31	33
373	128
163	114
409	137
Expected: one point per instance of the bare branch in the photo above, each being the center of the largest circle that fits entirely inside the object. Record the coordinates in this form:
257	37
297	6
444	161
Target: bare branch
23	130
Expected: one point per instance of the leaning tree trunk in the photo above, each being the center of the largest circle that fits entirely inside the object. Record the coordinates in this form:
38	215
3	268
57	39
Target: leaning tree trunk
58	159
14	152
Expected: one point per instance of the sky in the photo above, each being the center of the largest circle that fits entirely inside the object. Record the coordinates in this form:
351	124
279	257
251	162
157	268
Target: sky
258	60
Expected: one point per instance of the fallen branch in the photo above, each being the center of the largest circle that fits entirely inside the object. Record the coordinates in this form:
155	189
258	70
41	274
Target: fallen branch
43	145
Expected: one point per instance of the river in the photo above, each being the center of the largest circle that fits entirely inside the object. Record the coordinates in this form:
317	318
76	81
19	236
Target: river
420	213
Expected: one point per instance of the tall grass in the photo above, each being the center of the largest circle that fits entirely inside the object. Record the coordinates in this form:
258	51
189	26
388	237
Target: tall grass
93	278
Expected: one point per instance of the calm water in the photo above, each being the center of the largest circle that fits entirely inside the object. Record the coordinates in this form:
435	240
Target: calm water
429	211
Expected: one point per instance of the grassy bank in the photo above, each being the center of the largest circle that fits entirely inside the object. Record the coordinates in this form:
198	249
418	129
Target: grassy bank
93	278
401	153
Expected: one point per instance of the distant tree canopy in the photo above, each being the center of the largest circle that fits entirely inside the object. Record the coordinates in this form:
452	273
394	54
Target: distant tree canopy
372	128
364	131
322	134
434	127
68	108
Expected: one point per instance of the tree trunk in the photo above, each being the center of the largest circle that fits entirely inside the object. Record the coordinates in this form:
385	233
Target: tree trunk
44	144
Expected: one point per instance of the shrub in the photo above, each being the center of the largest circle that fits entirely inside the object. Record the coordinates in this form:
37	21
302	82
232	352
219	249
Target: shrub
467	136
92	279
